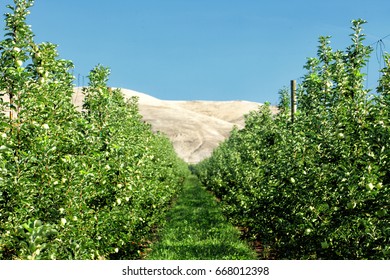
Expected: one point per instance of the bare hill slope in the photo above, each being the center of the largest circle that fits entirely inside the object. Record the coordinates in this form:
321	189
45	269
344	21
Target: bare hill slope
194	127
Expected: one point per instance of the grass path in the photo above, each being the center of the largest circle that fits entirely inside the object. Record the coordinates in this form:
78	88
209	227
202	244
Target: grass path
197	230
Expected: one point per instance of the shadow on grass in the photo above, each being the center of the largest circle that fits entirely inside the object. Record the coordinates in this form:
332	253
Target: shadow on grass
203	251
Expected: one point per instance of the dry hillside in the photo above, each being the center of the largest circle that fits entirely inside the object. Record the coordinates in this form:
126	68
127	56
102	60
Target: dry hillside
194	127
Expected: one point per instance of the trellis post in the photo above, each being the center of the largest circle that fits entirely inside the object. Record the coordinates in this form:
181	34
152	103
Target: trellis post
293	99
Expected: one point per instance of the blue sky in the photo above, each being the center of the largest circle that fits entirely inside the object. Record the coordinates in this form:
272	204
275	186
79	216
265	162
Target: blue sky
202	49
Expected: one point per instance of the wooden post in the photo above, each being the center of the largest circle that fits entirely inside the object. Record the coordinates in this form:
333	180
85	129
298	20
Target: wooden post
11	101
293	98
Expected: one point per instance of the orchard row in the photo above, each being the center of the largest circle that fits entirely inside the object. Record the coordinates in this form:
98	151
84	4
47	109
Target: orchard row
317	187
74	185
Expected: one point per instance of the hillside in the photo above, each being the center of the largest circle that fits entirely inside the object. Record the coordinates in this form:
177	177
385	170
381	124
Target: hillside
194	127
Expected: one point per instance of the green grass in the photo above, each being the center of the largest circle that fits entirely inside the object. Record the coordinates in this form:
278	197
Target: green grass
197	230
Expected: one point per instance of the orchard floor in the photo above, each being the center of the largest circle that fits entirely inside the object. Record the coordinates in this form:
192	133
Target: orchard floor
197	230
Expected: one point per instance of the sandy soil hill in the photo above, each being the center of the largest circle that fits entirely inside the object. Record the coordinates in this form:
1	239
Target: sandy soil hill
195	128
